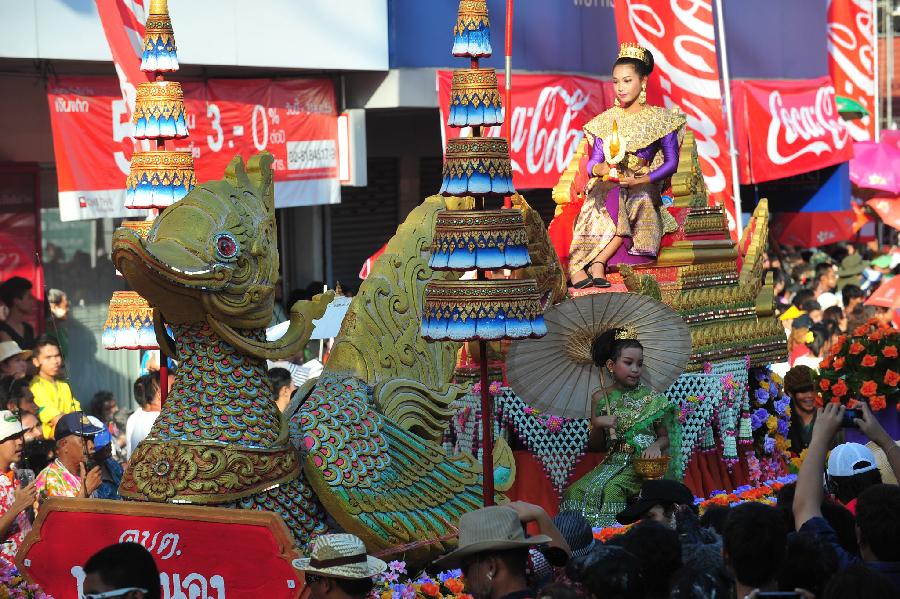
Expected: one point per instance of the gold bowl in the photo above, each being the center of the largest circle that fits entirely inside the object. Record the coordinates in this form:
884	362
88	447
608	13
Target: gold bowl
652	468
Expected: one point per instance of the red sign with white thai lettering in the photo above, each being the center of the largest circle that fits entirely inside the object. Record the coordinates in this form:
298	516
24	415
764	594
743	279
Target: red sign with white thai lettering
682	38
547	116
851	59
294	119
787	128
201	553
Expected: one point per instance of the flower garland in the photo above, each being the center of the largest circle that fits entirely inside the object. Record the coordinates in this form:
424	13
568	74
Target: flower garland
14	586
553	423
862	366
763	493
446	585
770	420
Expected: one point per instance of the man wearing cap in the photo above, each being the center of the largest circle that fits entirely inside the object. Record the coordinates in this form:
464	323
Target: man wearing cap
339	568
877	507
800	386
74	442
14	523
493	549
13	360
658	500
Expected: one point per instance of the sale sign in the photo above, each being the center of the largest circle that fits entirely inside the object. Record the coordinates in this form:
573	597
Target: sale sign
294	119
851	58
681	36
547	116
200	552
786	128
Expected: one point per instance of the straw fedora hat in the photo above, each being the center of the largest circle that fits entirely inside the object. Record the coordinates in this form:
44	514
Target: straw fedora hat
494	528
340	556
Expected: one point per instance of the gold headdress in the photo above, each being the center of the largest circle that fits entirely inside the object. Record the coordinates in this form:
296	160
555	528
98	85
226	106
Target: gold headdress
628	50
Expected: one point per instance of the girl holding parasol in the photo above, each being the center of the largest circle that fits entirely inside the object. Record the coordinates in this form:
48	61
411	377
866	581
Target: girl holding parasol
608	357
631	420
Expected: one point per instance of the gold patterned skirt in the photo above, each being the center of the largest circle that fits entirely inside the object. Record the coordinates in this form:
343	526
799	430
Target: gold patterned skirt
608	211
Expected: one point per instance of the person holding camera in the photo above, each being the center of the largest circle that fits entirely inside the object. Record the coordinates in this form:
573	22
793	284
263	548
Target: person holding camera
877	505
74	444
14	499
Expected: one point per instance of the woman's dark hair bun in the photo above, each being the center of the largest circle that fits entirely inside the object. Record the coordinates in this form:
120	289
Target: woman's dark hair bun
607	347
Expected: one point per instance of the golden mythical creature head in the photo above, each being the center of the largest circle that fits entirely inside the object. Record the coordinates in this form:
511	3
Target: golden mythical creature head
211	256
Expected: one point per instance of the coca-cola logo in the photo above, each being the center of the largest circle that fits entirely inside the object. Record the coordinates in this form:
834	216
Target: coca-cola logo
803	125
545	133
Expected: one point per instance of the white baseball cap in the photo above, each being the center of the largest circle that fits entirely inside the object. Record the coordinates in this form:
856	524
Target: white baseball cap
849	459
8	349
10	426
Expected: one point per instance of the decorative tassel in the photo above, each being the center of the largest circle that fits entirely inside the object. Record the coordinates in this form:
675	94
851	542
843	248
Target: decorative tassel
472	33
159	111
486	239
159	178
477	166
482	310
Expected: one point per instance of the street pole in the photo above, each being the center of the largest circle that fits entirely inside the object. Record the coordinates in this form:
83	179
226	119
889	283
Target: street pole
889	64
732	148
877	115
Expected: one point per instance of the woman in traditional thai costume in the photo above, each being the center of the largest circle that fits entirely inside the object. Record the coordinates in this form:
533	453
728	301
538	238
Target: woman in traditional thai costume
630	420
635	150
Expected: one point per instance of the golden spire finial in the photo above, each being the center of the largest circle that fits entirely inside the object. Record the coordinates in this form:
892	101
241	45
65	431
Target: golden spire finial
159	7
614	140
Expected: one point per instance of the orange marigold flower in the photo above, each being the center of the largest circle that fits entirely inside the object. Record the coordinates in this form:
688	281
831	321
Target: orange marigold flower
869	388
857	348
824	384
861	330
454	585
839	389
891	378
430	589
852	404
868	360
877	403
889	351
820	403
826	363
876	336
839	362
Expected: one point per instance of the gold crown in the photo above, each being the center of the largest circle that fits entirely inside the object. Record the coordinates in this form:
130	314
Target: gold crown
622	334
635	51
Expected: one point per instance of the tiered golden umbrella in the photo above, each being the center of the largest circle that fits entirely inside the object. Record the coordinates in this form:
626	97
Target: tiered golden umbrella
158	178
481	240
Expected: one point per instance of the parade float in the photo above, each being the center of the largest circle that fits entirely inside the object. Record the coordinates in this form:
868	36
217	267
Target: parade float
386	442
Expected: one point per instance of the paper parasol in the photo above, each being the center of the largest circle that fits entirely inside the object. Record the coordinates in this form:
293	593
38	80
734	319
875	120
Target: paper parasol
556	374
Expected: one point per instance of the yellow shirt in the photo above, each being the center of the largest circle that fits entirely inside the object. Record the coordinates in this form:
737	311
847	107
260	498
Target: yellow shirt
53	398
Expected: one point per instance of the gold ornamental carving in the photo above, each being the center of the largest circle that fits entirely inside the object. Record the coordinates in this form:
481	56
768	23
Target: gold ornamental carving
185	472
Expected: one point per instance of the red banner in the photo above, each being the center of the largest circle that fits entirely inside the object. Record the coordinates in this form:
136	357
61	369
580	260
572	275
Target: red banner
785	128
202	553
294	119
686	74
548	114
851	60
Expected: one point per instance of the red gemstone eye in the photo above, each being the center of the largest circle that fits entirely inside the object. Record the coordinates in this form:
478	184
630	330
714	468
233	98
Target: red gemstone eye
226	246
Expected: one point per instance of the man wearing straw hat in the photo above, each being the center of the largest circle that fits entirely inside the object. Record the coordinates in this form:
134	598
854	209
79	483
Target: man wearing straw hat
339	568
493	549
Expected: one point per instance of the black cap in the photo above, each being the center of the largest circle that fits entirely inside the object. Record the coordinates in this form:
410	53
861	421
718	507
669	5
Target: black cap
655	492
75	423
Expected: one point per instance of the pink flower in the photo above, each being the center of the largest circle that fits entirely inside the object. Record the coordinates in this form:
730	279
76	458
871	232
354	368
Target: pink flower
495	388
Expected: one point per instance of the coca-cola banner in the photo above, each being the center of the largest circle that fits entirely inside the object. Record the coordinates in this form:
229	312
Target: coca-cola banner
785	128
681	36
548	114
294	119
851	60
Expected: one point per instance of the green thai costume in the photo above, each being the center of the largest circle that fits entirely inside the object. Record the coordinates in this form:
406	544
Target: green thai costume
604	491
